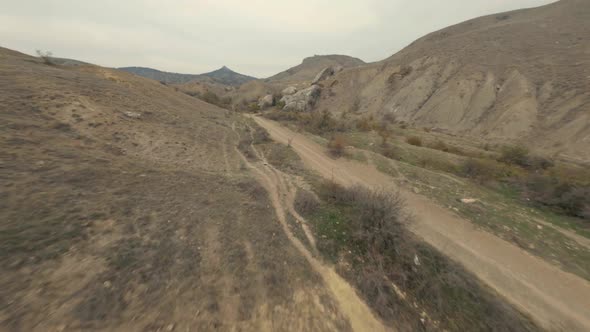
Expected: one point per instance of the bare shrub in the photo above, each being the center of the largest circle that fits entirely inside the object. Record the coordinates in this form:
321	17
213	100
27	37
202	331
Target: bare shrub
389	117
355	107
384	253
389	151
515	155
414	140
405	71
260	135
440	145
564	197
364	124
46	56
306	203
481	170
385	134
337	145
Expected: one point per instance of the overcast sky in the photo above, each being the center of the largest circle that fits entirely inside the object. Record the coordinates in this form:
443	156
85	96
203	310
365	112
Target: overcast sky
254	37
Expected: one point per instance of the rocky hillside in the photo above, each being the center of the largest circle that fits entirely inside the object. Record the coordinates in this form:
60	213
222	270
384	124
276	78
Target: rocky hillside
310	67
223	75
521	76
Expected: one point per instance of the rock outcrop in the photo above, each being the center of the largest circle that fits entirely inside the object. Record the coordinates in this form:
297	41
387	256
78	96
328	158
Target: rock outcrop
290	90
303	100
266	101
322	75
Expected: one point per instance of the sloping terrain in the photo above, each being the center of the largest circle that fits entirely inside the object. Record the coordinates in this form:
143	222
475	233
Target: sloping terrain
311	66
223	75
125	206
556	299
516	77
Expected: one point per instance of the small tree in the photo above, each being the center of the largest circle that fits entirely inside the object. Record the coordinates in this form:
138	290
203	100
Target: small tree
46	56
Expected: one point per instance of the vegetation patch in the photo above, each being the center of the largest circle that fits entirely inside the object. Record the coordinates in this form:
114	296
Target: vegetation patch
404	280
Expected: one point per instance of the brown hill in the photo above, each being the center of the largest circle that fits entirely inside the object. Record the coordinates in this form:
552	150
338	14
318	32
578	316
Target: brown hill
311	66
516	77
126	207
223	75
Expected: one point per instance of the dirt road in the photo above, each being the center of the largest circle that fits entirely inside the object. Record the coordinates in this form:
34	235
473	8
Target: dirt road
556	299
281	193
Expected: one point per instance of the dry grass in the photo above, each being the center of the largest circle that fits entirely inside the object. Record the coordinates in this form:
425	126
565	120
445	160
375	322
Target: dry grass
167	227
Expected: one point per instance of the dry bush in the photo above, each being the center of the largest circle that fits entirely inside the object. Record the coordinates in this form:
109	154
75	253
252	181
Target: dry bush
440	145
210	97
389	117
245	147
439	164
306	203
260	135
281	116
385	134
405	71
46	56
514	155
482	170
355	107
253	107
389	151
382	252
414	140
364	124
562	197
337	145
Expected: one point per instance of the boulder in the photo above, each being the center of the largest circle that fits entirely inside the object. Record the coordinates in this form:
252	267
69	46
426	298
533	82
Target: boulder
322	75
133	115
303	100
266	101
289	91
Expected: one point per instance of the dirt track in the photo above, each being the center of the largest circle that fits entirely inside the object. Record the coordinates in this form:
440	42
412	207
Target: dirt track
279	187
556	299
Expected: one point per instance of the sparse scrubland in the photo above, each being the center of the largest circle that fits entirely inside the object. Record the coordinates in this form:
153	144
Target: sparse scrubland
407	282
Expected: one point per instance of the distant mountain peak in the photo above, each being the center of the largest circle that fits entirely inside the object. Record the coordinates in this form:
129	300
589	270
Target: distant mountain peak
223	75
